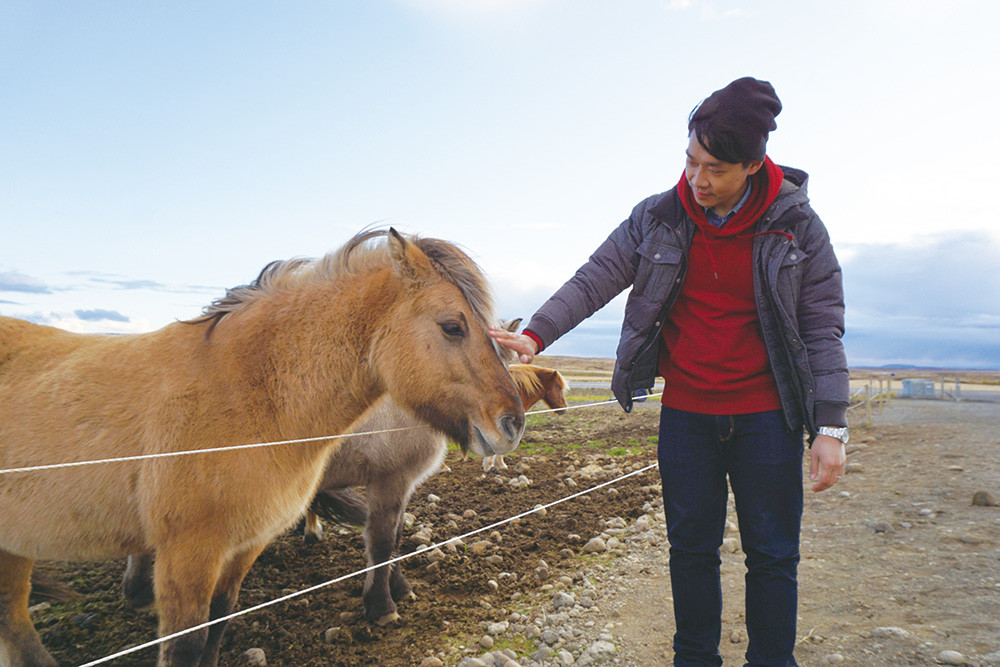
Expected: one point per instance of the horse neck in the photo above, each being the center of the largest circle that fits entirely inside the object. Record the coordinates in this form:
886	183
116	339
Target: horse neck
307	353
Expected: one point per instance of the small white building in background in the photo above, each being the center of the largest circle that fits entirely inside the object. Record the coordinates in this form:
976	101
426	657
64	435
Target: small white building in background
914	388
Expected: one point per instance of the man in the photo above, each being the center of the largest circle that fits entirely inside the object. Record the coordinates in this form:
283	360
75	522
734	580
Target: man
737	303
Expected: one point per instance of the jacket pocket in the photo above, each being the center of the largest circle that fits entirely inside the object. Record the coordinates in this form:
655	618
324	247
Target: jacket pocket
659	270
790	279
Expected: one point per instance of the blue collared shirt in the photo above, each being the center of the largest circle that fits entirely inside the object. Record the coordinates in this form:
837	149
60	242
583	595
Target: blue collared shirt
720	220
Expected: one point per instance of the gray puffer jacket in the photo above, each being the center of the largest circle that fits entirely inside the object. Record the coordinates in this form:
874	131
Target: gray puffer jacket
797	283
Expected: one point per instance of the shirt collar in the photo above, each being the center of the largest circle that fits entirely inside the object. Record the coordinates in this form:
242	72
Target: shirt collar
720	220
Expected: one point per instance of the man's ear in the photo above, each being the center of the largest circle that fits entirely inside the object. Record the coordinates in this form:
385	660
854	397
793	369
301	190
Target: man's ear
755	166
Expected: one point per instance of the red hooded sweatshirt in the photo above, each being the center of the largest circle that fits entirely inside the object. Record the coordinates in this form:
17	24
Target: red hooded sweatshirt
714	361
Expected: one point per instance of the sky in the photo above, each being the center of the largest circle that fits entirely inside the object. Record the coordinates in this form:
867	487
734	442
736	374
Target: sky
154	154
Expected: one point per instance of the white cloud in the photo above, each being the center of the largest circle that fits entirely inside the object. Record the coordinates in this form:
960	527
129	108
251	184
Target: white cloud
77	325
13	281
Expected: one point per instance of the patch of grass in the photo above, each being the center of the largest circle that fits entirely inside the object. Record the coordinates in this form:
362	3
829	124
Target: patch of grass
519	644
529	447
589	398
537	421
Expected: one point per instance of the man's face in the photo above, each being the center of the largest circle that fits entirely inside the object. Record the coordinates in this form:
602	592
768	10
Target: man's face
716	184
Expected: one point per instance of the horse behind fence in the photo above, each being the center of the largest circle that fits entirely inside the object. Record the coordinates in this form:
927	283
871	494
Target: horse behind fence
391	456
302	352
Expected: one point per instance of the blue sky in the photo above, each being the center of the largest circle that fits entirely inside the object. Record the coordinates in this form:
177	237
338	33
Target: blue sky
153	154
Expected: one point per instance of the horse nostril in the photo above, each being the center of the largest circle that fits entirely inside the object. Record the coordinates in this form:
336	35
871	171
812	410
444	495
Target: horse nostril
512	426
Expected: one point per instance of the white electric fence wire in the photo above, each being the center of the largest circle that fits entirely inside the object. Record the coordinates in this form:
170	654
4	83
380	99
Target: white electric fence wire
229	448
311	589
338	579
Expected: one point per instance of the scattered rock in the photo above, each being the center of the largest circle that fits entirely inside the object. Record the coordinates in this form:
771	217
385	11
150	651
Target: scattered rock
254	657
890	632
594	546
480	547
951	658
40	607
560	600
984	499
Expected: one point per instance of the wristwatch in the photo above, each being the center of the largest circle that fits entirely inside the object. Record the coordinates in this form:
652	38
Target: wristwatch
840	433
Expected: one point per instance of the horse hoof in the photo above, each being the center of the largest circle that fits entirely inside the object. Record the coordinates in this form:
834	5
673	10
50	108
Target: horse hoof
312	539
387	619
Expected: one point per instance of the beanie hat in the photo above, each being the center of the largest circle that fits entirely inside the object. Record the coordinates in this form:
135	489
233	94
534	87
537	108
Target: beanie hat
744	110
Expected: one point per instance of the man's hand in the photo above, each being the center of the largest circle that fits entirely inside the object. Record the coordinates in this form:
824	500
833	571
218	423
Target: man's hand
826	465
525	346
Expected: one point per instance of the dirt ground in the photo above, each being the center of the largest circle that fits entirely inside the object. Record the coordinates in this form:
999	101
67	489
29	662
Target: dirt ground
897	543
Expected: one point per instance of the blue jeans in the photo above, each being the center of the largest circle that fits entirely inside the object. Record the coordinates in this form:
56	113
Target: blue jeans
763	461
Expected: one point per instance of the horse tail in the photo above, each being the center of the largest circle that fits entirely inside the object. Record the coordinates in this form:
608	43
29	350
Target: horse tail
44	587
341	505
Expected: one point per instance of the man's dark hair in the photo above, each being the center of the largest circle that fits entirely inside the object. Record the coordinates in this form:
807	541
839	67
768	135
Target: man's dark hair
733	123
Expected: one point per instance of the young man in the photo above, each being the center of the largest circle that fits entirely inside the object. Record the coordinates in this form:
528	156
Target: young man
737	303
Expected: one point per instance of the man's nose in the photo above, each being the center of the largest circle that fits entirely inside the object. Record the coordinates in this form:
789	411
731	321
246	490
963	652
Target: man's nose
699	178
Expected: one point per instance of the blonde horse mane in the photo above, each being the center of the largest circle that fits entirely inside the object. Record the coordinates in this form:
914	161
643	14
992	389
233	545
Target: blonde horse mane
527	381
366	251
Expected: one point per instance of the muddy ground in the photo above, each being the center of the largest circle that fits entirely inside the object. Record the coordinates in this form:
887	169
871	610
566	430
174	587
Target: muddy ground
896	544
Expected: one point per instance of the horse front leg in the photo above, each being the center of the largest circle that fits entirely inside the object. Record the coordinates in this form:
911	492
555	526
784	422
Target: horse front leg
20	645
185	576
385	512
227	592
399	587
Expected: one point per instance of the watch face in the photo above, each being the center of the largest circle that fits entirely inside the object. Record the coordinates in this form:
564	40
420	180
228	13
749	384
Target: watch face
841	433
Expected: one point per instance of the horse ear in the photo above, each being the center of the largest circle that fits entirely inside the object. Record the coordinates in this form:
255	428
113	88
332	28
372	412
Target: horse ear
511	325
411	264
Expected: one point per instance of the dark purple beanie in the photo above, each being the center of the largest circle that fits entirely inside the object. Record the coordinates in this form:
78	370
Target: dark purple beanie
745	110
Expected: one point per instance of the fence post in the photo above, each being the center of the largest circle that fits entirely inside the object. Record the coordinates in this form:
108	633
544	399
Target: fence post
868	404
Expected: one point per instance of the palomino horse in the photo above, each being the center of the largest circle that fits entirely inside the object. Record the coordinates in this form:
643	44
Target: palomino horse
302	352
390	464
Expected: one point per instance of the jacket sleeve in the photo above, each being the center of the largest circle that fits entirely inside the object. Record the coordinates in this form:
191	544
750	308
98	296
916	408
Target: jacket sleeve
608	272
821	324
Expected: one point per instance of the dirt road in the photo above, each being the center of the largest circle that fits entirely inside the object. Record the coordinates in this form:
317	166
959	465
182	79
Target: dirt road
897	564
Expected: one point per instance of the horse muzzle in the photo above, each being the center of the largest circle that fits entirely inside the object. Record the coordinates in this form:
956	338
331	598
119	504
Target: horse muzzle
508	432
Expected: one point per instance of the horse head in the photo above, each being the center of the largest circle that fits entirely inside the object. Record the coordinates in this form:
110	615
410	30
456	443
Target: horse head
555	391
434	355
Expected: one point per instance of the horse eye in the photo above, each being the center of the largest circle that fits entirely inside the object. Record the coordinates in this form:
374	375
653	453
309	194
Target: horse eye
452	329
